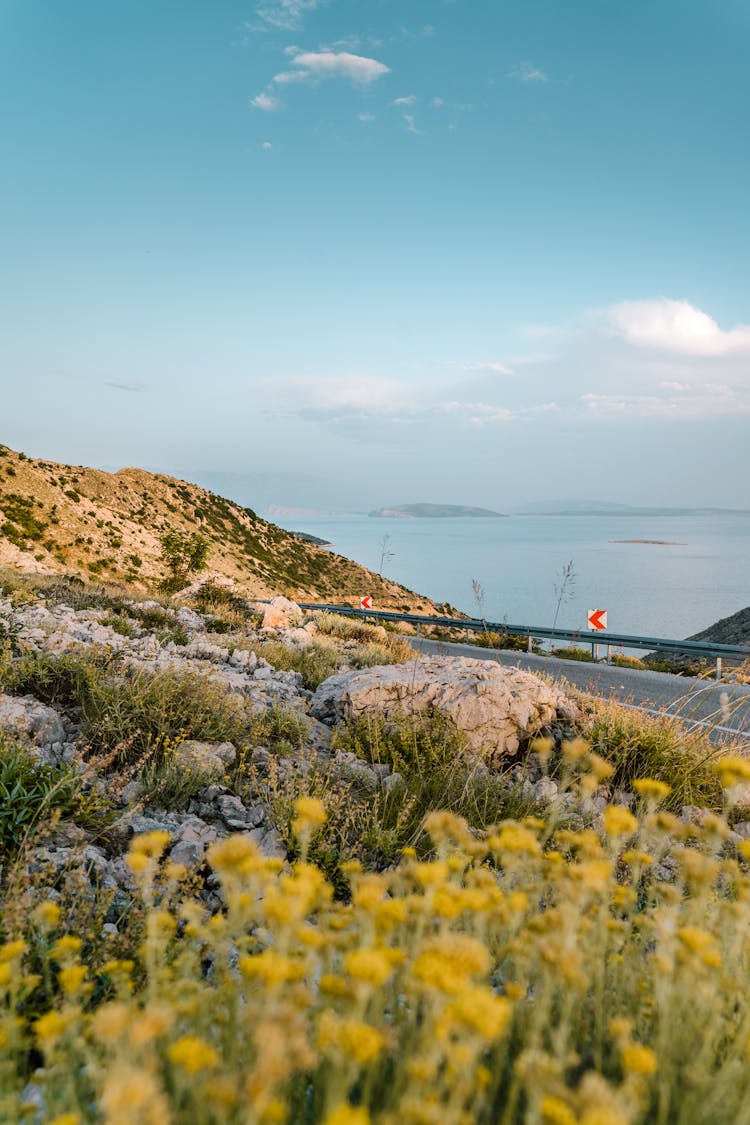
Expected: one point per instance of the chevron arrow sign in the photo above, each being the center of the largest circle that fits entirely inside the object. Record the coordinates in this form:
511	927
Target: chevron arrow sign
596	619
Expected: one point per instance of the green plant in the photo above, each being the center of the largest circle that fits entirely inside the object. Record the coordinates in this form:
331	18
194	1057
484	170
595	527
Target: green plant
573	653
33	794
183	553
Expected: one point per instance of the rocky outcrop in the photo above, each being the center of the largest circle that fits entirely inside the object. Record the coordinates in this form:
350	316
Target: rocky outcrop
496	708
280	613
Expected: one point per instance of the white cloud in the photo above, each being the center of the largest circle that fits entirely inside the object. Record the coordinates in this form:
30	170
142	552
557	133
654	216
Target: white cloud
282	15
675	326
527	72
476	413
265	102
365	118
409	100
410	124
266	146
438	102
490	366
689	404
338	64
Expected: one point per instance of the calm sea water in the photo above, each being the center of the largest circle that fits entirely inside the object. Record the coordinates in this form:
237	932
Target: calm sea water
668	591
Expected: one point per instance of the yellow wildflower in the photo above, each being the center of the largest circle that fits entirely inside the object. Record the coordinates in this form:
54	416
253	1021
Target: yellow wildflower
348	1115
193	1054
556	1112
271	967
72	979
514	837
600	767
110	1022
449	961
52	1025
732	770
274	1113
480	1011
133	1097
430	874
352	1037
637	1059
372	966
66	1119
310	808
651	789
153	1021
12	950
575	749
149	844
618	821
46	914
235	854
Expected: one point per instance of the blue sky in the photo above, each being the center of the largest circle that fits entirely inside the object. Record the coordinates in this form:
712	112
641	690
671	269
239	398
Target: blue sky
337	252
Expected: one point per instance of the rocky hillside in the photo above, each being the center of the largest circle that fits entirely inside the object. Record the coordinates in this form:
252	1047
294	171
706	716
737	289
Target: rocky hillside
734	630
69	519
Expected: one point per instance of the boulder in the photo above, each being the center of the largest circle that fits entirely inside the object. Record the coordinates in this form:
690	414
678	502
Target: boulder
208	757
26	718
280	613
495	707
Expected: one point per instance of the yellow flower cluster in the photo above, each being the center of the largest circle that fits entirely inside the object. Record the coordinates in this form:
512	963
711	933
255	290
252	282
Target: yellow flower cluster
521	975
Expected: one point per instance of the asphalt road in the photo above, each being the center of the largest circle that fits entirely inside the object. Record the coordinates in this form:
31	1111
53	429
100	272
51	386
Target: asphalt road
722	709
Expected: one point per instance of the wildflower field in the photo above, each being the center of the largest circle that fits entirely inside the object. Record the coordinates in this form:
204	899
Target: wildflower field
526	973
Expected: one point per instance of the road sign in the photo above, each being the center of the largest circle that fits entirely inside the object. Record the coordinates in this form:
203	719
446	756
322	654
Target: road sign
365	602
596	619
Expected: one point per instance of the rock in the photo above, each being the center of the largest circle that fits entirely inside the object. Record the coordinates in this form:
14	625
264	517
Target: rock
208	757
191	841
280	613
26	718
496	708
131	792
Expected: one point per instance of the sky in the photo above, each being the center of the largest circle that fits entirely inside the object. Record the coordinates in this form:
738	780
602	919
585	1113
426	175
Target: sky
345	253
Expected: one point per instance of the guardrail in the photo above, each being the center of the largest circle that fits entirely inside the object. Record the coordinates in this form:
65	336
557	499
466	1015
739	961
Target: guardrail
542	632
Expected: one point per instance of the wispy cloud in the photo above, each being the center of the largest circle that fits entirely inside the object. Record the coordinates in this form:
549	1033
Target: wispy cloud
281	15
266	102
365	118
117	386
266	146
491	367
411	126
409	100
674	326
527	72
334	64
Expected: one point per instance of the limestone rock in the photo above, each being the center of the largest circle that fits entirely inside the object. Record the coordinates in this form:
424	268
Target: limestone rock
26	718
495	707
208	757
280	613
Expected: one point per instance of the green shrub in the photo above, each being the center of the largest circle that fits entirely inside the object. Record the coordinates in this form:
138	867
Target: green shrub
581	654
31	794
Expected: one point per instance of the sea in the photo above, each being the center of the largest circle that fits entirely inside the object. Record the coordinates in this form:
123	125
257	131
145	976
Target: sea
696	573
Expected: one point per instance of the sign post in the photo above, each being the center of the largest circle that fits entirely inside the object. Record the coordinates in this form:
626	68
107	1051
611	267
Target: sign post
596	620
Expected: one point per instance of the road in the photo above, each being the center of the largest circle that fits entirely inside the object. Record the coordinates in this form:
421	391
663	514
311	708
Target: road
722	709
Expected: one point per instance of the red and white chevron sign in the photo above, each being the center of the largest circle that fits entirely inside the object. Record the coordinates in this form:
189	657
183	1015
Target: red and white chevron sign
596	619
365	602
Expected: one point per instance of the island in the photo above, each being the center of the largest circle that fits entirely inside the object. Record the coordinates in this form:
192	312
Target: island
434	511
653	542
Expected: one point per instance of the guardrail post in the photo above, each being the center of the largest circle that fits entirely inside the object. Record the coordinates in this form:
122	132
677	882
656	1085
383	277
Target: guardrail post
718	667
530	646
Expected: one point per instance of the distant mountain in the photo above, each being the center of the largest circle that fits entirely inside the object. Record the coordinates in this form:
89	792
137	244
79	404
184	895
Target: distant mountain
67	519
434	511
607	508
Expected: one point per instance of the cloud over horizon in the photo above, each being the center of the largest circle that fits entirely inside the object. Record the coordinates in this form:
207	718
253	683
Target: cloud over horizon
676	326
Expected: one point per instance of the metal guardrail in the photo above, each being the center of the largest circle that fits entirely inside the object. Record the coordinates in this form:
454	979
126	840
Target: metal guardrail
541	632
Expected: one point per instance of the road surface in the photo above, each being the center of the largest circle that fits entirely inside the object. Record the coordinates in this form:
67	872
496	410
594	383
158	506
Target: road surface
722	709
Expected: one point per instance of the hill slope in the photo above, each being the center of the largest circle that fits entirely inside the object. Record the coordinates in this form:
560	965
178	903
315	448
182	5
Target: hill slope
69	519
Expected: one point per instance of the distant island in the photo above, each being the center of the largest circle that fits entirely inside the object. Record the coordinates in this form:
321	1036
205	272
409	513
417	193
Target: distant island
654	542
608	508
434	511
